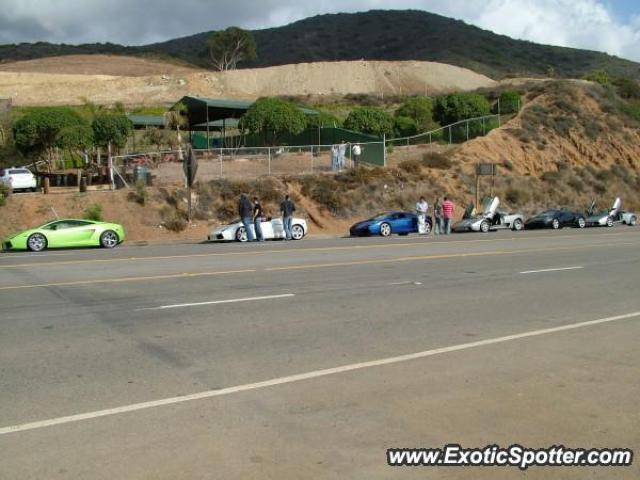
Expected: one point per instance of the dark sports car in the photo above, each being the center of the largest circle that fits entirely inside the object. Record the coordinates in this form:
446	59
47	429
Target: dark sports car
556	219
402	223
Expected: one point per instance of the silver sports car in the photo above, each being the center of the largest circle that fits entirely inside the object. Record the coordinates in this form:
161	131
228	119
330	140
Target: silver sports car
491	219
609	218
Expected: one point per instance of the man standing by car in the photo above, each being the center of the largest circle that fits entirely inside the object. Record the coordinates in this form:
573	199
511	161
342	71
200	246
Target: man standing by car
287	208
258	215
246	215
447	214
422	207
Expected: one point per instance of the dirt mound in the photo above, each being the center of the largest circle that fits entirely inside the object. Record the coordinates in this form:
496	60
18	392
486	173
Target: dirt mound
134	81
97	65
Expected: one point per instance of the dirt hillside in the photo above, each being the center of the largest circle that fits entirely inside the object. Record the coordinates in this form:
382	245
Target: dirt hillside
133	81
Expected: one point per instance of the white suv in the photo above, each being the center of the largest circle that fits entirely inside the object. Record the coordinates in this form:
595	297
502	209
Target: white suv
18	179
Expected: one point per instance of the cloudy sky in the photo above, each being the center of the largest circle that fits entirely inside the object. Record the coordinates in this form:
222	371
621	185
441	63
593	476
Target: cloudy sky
612	26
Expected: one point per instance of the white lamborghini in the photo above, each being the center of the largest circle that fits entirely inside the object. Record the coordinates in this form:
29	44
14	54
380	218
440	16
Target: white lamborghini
272	229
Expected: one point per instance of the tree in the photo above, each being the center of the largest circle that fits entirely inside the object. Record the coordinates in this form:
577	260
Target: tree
111	128
175	119
420	110
271	118
323	120
460	106
405	126
39	132
229	47
371	120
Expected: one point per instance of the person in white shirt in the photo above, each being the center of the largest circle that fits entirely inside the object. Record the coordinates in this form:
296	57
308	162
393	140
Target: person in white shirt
422	208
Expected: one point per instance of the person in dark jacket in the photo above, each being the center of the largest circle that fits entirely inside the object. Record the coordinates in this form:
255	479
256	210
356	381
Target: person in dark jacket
246	216
287	208
258	215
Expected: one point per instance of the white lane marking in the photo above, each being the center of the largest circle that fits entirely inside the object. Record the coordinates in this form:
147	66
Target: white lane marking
305	376
560	269
215	302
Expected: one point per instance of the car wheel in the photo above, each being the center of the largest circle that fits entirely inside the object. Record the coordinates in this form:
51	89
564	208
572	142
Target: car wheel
297	232
241	234
633	221
427	228
484	226
385	229
518	225
109	239
609	222
36	242
555	224
582	223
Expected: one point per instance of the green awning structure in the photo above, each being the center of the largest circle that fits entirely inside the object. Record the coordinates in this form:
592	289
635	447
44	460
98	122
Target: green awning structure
203	111
144	121
217	125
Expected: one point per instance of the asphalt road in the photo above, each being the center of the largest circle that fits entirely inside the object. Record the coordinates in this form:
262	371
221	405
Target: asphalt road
294	360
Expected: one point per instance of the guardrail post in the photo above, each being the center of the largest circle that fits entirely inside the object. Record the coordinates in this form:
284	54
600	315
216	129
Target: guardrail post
221	174
449	134
467	130
269	154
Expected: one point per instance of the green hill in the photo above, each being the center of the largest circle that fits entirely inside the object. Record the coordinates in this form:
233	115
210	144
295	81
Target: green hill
373	35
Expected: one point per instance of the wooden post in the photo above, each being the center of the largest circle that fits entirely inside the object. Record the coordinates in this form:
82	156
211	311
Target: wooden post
45	185
110	166
477	190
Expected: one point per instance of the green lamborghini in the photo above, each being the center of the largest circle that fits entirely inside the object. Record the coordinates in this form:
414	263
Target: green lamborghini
66	234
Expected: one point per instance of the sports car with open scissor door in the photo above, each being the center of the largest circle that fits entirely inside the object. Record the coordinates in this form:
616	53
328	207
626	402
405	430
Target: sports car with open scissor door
66	234
491	219
609	218
556	219
272	229
385	224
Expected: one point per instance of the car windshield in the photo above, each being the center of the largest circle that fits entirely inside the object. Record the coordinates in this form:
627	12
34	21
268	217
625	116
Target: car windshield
379	217
548	213
18	171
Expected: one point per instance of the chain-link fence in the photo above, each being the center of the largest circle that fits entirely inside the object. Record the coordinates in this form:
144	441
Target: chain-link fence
457	132
165	168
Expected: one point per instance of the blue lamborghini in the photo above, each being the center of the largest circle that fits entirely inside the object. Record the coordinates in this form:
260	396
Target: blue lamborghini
402	223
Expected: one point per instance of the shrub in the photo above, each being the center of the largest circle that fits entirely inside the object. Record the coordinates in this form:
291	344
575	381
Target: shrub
271	118
599	76
460	106
508	164
5	191
413	167
516	196
139	194
418	109
576	184
93	212
510	102
628	88
173	219
405	126
436	160
371	120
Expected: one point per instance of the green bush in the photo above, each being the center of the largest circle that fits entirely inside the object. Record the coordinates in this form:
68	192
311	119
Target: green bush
628	88
599	76
371	120
420	110
113	128
93	212
510	102
405	126
460	106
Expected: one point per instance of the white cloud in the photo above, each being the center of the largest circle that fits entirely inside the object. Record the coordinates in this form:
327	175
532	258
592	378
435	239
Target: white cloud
570	23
